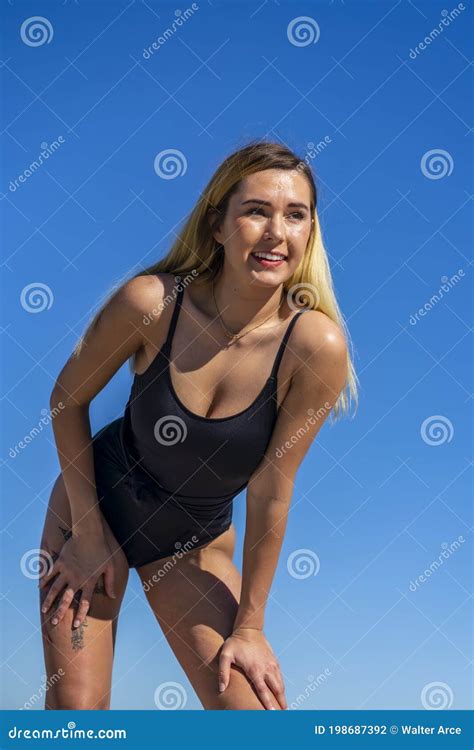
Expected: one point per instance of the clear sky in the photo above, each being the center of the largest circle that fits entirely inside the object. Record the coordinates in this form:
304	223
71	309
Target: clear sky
384	89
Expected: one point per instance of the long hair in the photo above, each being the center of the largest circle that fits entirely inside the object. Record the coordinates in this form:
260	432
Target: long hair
197	253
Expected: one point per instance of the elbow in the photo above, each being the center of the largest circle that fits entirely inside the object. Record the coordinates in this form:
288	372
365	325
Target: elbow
60	399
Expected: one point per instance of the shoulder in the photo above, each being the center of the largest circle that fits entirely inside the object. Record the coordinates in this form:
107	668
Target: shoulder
320	350
143	297
316	333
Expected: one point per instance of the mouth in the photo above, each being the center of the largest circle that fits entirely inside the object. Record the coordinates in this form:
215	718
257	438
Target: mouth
269	260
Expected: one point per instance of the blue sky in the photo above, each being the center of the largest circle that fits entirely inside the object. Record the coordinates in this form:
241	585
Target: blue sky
378	498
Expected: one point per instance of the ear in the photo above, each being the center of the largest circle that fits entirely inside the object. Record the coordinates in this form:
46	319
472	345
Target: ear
213	219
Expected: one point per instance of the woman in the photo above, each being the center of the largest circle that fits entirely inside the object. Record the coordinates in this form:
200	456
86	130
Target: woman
153	489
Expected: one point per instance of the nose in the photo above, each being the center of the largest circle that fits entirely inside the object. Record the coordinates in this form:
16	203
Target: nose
274	229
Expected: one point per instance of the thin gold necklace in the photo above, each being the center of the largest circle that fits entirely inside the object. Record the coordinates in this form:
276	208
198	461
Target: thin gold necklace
235	336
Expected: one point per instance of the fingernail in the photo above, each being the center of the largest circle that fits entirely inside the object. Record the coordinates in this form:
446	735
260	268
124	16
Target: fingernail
76	623
43	609
54	621
272	708
221	687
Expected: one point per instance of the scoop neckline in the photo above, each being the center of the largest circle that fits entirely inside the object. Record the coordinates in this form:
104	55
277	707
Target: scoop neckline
193	415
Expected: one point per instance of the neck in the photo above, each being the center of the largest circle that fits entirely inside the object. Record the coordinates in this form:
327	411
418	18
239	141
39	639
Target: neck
241	304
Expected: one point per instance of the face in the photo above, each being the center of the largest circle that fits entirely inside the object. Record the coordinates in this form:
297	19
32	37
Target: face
270	213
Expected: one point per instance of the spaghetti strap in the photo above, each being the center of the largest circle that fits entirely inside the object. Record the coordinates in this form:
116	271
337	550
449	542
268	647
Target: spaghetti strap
174	317
282	346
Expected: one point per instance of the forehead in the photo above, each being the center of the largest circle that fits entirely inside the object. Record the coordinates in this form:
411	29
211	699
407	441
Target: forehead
274	185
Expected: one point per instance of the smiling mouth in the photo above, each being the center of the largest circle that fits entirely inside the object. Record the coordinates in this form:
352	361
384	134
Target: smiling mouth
269	257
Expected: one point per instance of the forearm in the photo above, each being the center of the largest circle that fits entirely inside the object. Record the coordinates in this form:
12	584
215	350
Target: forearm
72	433
264	531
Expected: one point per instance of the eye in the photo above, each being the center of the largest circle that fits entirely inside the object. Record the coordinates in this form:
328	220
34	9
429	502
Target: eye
298	214
252	210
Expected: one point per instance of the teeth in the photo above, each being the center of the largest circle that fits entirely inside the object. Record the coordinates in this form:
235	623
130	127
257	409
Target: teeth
269	256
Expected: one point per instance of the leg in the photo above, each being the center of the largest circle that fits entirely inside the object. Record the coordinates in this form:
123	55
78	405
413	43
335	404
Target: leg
195	601
78	660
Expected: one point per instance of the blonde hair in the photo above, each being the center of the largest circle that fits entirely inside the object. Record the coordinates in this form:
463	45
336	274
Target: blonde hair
196	252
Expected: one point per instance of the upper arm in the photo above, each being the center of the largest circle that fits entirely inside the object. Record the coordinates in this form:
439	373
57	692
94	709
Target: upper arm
117	334
320	350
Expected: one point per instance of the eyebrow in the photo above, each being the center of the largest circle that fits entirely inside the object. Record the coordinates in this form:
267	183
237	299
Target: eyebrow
268	203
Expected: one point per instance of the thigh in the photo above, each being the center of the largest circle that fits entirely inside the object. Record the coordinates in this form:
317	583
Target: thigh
195	601
78	660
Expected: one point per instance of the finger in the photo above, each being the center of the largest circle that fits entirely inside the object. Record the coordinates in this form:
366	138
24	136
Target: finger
48	574
109	581
263	692
83	608
225	661
66	600
56	587
275	683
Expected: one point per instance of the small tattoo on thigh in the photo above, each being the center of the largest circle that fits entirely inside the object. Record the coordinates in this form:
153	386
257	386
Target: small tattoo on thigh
77	636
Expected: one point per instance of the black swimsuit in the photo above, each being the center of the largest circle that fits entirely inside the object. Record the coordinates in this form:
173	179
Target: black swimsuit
166	477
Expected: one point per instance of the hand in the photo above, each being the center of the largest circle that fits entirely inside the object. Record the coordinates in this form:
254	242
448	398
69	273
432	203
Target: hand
248	648
81	562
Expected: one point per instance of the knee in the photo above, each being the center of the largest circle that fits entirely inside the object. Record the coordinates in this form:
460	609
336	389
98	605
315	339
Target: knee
76	699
